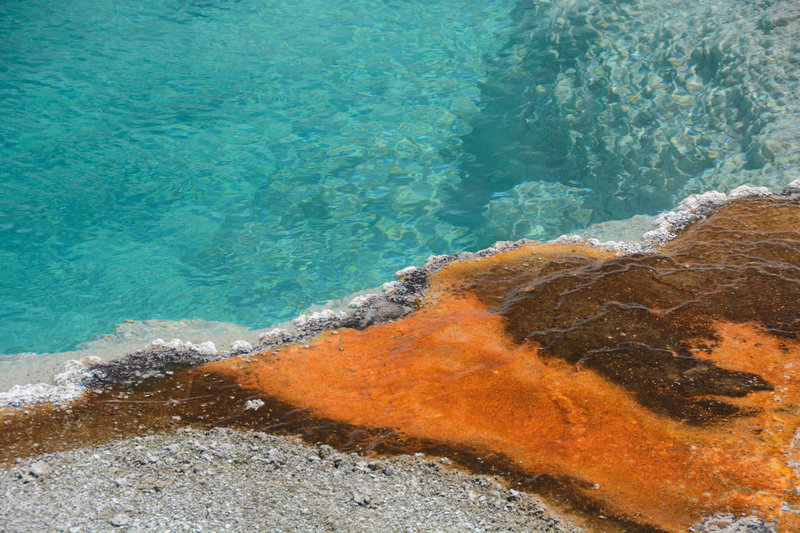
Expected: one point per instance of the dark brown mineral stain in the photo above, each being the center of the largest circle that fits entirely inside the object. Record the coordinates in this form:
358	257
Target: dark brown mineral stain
636	319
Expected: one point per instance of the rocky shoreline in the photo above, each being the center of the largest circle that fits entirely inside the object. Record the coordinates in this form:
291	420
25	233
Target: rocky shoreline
222	479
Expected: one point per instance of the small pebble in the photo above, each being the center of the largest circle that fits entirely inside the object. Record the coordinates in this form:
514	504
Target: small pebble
361	498
39	468
173	448
255	405
120	519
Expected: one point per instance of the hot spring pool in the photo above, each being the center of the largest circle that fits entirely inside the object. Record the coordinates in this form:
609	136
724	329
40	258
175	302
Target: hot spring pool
239	161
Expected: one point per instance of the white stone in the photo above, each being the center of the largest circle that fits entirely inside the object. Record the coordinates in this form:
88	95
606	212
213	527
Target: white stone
319	318
794	186
120	519
502	246
274	335
34	393
745	191
39	468
75	371
707	199
400	274
241	346
160	345
362	301
254	405
568	239
157	345
435	259
66	386
204	348
389	287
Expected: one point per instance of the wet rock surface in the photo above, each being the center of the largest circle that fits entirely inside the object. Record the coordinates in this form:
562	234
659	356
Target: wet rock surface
221	479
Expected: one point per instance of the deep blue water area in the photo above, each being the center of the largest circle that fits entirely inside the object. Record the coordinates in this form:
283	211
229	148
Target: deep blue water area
239	161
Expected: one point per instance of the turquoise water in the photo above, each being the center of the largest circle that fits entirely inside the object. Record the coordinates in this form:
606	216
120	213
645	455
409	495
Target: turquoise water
238	161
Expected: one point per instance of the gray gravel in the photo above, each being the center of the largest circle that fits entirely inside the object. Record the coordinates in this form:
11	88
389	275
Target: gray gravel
729	523
247	481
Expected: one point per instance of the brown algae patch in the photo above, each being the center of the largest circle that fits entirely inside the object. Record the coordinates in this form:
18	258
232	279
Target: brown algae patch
656	388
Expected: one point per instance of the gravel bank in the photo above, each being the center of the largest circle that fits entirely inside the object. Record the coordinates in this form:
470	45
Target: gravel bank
246	481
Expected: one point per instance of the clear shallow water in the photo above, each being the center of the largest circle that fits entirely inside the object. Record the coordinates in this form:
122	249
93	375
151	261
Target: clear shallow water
229	161
239	161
